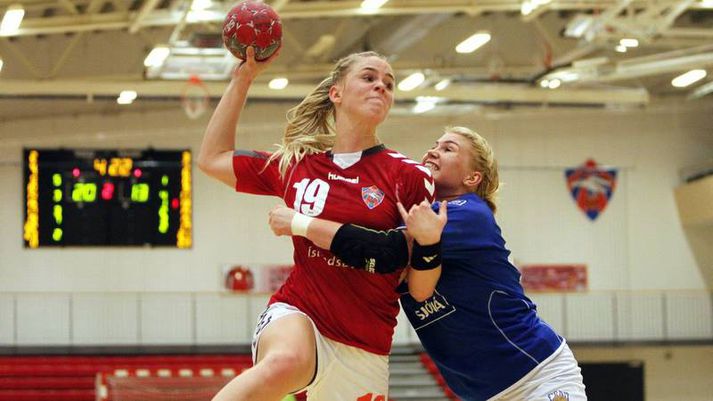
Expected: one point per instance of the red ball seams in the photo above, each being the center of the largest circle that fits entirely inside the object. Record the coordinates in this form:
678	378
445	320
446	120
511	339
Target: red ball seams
251	23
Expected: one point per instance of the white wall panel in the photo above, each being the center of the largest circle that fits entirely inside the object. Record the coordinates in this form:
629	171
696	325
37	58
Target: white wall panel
167	318
43	319
589	317
222	318
7	320
640	316
105	318
689	315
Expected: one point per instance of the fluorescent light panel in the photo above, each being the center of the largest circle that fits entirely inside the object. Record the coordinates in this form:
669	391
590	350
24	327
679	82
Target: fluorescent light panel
278	83
412	81
201	4
473	42
526	7
629	42
578	26
12	19
442	84
688	78
157	56
425	103
126	97
371	5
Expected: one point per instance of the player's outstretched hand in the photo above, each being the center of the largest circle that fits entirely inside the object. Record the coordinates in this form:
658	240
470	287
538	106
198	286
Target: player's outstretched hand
422	223
251	68
280	220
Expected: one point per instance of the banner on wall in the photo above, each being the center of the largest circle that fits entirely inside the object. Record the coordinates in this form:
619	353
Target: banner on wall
554	277
591	186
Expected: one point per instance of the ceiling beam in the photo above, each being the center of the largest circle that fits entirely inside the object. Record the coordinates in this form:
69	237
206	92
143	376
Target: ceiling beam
146	9
488	93
149	16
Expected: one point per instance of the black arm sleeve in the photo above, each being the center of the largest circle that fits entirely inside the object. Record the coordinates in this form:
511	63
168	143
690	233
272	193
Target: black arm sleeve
371	250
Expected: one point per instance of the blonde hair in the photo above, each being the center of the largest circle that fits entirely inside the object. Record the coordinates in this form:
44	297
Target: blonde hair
310	124
483	161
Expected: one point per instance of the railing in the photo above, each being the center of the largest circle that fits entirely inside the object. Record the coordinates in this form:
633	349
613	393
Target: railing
211	318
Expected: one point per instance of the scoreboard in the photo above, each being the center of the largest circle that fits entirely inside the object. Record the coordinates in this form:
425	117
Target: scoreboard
99	197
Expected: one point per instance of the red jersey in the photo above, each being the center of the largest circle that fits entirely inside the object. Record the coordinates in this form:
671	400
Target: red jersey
348	305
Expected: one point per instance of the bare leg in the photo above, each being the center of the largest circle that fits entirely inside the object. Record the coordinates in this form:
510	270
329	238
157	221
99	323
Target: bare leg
286	362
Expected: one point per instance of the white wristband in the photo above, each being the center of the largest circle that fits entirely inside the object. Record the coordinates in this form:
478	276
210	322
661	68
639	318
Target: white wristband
299	224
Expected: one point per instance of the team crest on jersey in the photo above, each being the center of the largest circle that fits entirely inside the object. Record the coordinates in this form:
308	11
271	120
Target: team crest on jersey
558	395
372	196
591	187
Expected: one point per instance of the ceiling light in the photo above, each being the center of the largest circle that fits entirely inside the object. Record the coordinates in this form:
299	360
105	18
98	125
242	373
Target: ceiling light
565	76
578	26
278	83
1	63
554	84
157	56
628	42
412	81
425	103
702	90
620	48
526	7
688	78
201	4
442	84
126	97
12	19
545	83
473	43
372	5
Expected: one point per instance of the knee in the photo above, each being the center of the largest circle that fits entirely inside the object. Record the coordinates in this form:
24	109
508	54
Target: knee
285	365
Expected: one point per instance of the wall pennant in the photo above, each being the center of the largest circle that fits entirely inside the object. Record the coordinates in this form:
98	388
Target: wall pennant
591	187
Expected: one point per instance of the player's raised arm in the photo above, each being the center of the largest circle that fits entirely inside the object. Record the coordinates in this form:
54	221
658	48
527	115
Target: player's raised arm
216	154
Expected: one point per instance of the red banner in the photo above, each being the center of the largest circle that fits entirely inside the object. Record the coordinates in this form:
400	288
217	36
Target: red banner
554	277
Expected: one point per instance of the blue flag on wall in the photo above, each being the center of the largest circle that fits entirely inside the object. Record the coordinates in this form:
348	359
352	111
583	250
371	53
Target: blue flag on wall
591	187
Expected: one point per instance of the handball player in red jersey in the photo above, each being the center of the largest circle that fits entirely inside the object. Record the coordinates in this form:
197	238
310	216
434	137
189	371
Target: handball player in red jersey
328	329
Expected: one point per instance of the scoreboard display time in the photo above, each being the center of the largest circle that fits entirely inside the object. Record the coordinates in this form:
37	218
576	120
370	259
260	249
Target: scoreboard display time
97	197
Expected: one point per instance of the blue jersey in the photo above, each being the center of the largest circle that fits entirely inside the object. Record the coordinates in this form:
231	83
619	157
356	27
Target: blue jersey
479	328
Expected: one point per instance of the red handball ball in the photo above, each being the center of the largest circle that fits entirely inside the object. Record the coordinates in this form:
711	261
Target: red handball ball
252	23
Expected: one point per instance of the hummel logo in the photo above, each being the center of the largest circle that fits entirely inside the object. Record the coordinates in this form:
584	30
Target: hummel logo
332	176
428	259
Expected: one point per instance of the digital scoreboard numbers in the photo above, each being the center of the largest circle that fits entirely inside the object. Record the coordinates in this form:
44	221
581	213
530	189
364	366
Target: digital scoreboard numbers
91	197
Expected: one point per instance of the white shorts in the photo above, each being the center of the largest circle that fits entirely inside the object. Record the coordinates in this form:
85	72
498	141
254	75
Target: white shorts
344	373
559	378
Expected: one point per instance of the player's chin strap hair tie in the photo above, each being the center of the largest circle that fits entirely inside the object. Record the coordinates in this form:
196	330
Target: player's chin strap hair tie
426	257
300	224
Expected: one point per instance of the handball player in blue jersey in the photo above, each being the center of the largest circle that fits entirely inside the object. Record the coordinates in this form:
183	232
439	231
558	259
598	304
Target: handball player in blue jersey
474	320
